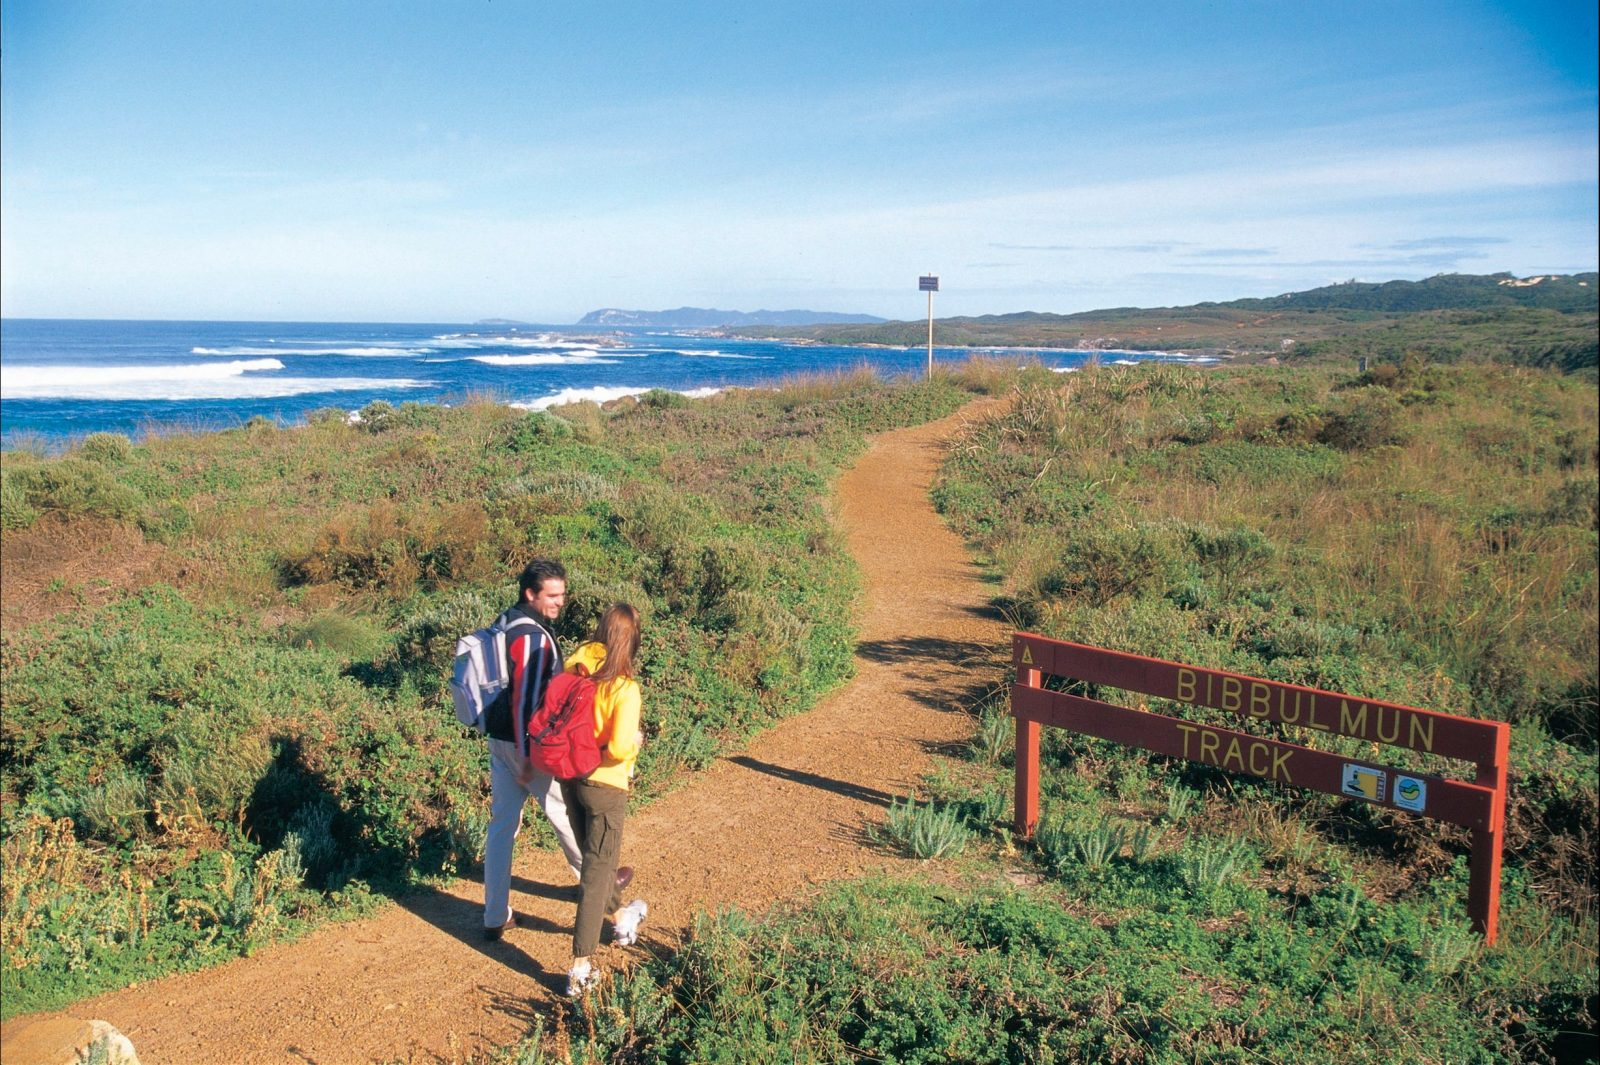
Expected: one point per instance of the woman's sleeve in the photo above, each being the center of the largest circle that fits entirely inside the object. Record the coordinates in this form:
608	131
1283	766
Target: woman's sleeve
624	742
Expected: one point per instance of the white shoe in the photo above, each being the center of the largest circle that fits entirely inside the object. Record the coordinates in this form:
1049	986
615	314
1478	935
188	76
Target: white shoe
580	978
625	932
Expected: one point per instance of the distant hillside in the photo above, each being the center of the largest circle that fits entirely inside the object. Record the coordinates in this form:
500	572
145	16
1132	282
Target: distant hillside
710	318
1548	320
1445	292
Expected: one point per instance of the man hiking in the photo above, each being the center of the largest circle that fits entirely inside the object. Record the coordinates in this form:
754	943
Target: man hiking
535	658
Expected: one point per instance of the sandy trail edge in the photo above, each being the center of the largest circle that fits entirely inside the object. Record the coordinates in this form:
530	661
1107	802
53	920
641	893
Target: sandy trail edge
417	983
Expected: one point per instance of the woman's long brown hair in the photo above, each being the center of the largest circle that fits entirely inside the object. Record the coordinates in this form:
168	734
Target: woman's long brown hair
619	631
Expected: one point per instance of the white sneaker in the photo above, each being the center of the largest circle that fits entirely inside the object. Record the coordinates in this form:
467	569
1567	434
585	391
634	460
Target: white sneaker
625	932
580	978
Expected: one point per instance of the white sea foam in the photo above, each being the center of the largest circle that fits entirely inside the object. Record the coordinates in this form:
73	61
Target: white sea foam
703	353
603	395
239	379
479	340
367	352
579	357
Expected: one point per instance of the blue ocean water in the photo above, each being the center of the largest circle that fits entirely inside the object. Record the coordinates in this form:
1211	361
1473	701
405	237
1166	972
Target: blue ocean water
61	379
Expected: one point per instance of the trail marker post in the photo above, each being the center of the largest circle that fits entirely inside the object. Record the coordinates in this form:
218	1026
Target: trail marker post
1478	806
929	283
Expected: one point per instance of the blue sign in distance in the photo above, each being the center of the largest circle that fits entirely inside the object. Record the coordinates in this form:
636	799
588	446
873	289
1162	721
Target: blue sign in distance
928	283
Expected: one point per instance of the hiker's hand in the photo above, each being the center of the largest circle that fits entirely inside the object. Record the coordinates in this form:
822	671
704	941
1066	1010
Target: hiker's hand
638	738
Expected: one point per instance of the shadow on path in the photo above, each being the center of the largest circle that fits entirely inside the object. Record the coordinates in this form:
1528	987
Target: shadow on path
462	920
909	650
871	796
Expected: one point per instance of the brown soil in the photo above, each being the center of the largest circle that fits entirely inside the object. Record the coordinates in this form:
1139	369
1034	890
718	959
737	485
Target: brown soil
791	811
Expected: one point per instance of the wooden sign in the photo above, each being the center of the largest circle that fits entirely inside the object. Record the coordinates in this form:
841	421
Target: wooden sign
1478	805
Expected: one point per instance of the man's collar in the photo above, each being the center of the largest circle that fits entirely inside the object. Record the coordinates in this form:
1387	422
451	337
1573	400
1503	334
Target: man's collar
521	608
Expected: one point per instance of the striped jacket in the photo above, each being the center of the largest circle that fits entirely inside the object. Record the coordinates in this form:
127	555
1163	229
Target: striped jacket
535	658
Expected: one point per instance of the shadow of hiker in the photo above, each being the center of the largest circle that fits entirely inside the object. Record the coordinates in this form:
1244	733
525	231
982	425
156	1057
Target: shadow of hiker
813	780
910	649
462	920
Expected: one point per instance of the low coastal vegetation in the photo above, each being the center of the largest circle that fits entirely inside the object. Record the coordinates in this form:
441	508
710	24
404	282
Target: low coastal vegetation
1546	321
1417	533
188	743
234	727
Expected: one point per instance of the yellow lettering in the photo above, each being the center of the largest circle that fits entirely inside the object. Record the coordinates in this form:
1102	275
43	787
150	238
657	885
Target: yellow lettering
1186	730
1393	733
1233	755
1311	718
1352	724
1260	699
1266	752
1280	765
1422	733
1186	685
1209	742
1210	698
1231	689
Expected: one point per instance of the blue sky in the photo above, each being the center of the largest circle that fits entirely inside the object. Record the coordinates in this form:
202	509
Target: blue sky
410	161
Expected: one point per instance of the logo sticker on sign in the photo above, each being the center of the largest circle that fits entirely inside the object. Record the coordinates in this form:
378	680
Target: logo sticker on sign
1364	783
1410	793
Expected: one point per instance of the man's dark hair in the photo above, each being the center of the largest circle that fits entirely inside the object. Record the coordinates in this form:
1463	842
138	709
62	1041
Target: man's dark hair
535	573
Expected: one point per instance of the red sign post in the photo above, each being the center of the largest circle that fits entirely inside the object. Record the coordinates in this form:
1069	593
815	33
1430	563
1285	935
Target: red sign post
1479	805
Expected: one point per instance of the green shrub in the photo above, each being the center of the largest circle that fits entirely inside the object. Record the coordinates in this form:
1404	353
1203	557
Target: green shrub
15	510
1365	420
76	487
1101	562
339	633
538	430
661	399
377	416
110	449
926	831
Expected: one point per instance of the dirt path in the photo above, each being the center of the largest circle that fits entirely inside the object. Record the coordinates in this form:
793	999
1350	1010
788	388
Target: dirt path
418	983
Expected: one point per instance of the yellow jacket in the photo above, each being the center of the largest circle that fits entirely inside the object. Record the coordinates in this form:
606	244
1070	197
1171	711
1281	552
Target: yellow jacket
616	719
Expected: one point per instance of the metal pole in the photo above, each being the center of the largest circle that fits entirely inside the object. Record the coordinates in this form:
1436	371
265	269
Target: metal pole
930	334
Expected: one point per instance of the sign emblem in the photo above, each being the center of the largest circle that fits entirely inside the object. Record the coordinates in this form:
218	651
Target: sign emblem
1364	783
1410	793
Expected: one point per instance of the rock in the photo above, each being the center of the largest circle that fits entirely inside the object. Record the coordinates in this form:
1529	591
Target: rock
64	1041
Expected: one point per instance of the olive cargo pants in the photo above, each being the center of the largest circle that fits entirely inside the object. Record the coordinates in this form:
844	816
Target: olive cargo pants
597	812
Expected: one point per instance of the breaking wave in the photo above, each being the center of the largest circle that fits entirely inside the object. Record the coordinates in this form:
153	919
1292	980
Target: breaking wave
603	395
239	379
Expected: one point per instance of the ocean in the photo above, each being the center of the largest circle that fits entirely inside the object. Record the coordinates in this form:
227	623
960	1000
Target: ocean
61	379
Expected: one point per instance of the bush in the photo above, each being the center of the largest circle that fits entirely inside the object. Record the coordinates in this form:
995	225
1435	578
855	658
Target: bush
377	416
537	430
110	449
334	631
926	831
15	510
1368	419
74	487
1101	562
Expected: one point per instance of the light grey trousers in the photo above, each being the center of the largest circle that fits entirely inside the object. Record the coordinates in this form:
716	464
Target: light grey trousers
511	782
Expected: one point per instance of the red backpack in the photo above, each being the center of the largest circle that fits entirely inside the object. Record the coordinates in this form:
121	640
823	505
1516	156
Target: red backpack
561	731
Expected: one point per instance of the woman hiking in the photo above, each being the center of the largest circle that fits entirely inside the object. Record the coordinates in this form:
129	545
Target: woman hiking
598	803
